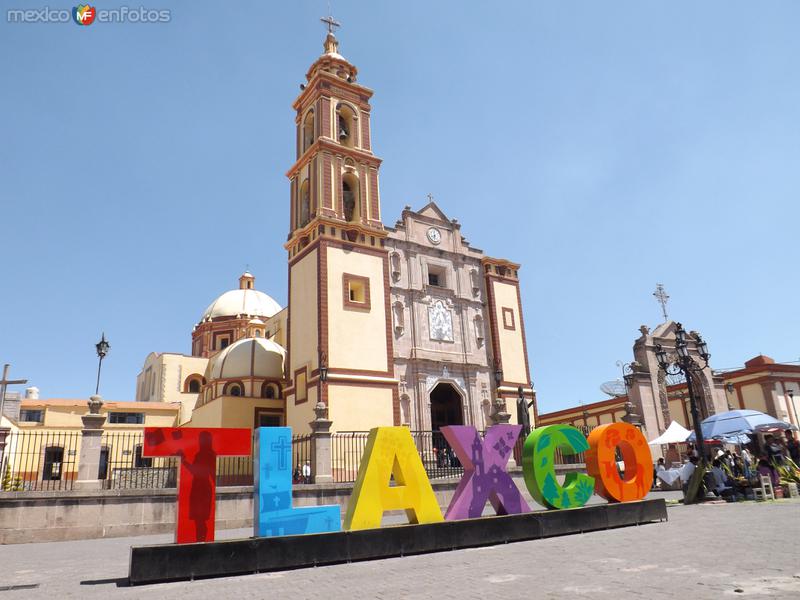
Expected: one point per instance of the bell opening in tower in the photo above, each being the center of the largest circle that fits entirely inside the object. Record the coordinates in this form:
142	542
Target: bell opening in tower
350	190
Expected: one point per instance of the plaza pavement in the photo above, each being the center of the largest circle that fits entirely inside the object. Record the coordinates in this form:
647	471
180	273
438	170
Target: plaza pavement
709	551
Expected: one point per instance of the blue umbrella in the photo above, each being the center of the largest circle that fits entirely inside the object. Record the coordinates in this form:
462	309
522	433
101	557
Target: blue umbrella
736	422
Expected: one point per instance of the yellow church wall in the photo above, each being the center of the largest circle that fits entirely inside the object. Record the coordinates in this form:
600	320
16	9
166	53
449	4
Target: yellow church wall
356	338
512	348
298	416
303	300
240	412
676	412
207	415
753	396
303	342
354	408
276	327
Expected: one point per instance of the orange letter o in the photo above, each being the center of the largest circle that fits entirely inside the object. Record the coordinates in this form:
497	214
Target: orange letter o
602	465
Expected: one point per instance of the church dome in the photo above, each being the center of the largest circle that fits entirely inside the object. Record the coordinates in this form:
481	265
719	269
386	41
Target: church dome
244	301
249	357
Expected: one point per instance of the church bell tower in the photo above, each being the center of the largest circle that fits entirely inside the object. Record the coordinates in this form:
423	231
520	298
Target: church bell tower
339	316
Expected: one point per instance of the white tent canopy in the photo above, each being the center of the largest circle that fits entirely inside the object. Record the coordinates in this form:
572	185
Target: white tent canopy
674	434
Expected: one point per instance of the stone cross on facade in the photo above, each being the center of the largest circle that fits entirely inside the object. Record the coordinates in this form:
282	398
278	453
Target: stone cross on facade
4	383
662	297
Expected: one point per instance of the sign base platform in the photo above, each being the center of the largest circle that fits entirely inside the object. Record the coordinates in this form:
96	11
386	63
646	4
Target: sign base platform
173	562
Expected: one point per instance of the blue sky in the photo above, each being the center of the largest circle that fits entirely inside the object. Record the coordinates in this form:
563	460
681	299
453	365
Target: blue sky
606	146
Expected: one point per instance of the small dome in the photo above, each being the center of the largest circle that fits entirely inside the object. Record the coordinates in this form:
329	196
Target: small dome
249	357
244	301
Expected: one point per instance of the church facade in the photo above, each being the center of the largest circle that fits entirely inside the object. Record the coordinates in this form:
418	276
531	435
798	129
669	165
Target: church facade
384	325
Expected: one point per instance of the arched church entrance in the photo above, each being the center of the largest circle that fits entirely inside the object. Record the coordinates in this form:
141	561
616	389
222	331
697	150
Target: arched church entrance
445	410
445	406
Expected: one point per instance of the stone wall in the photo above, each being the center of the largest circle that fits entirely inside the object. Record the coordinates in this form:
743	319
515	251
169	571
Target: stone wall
71	515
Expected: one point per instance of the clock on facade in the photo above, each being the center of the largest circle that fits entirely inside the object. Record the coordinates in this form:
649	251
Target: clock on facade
434	235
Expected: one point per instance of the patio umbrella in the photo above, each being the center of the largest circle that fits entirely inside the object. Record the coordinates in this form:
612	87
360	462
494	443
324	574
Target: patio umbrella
735	422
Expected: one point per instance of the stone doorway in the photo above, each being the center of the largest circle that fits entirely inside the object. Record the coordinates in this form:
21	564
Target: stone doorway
445	406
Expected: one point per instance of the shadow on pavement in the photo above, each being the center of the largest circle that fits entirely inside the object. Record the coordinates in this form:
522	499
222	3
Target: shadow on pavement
120	581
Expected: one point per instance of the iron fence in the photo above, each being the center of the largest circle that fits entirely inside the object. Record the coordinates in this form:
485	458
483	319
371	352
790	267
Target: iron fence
49	460
438	458
40	460
347	447
122	465
302	463
559	457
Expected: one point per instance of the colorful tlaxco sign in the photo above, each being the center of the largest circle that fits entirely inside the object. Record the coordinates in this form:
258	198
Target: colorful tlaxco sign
391	453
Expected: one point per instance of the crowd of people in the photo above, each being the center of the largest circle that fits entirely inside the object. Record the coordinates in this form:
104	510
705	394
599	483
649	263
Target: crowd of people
730	467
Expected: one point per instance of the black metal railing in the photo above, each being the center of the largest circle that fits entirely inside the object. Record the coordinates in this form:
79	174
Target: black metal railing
122	465
49	460
559	458
302	462
40	460
438	458
347	447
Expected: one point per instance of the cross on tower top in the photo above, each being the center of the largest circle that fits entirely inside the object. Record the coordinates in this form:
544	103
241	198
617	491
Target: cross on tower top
662	297
331	23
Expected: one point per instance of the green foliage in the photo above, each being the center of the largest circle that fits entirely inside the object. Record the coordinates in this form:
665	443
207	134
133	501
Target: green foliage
788	471
9	483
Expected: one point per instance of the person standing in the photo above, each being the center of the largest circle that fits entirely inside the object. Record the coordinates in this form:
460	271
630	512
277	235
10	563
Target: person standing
774	450
747	459
793	446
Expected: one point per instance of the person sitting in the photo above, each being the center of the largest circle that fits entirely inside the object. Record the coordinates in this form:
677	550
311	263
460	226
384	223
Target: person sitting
686	472
719	480
766	469
658	468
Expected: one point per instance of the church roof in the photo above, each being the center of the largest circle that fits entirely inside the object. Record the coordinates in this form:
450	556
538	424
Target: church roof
249	357
244	301
432	210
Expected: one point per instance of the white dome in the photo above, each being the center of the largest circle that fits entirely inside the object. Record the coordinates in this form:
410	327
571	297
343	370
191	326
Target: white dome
249	357
242	302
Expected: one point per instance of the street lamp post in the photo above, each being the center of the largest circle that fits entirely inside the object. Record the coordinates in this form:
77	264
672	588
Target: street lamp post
102	349
684	363
323	367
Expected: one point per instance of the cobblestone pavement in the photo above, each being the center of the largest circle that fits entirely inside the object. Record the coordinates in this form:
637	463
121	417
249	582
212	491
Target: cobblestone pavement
708	551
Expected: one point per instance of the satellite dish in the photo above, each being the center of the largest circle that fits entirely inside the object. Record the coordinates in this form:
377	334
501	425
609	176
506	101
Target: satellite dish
615	388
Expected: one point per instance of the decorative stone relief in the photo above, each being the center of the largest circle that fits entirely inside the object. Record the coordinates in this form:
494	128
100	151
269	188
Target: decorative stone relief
440	322
432	380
